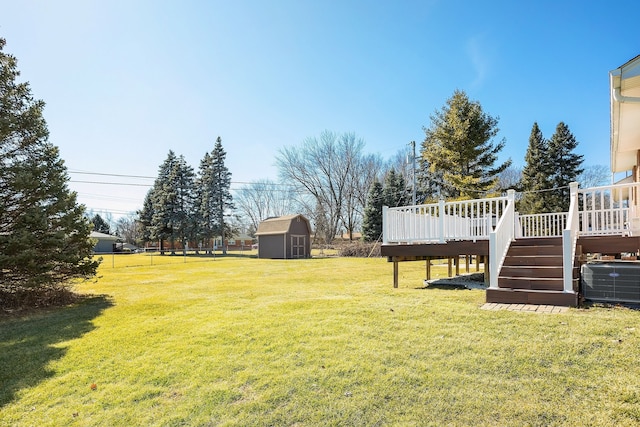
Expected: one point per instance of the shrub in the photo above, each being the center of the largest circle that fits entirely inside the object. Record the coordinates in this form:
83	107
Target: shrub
360	249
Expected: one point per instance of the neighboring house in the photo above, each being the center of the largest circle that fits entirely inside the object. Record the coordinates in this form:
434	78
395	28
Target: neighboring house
284	237
241	242
105	243
538	259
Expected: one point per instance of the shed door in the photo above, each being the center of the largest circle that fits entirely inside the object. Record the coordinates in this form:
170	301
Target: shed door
298	246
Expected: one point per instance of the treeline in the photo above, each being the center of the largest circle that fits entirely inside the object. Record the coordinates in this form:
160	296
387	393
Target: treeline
341	189
184	207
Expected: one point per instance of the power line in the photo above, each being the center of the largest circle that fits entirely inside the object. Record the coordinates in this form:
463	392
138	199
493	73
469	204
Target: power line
111	183
111	174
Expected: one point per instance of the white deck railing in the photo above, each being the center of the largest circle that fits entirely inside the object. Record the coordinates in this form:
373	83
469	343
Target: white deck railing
569	237
460	220
500	239
609	210
540	225
596	211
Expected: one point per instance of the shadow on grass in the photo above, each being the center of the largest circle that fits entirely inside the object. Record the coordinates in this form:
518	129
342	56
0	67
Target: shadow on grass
27	344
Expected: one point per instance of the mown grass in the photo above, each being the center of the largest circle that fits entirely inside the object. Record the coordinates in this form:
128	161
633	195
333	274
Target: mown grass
243	341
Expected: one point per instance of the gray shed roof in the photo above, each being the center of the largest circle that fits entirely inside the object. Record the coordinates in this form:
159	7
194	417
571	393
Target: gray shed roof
279	225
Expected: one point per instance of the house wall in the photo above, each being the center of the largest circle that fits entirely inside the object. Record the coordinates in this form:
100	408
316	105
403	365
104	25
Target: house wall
104	246
271	246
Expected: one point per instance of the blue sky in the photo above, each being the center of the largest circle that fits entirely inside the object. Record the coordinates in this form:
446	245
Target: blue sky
126	81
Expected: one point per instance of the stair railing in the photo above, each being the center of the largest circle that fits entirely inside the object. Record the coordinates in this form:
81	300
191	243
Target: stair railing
569	237
500	239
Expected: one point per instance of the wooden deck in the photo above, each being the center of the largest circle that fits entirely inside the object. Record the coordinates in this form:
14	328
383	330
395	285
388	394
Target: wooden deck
451	250
609	245
454	250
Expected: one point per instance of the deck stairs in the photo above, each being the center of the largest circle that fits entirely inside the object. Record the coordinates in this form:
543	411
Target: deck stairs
532	274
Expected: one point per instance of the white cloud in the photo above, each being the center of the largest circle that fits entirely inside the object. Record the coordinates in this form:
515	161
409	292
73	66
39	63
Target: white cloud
480	59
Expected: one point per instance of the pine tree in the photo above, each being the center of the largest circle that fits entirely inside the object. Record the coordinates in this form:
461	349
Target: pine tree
565	166
459	145
215	199
372	222
169	205
44	233
536	175
100	225
145	216
394	191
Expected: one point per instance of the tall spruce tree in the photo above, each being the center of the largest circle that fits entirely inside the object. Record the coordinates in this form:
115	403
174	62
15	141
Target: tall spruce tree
536	175
565	166
215	194
394	191
459	144
372	222
100	225
168	208
44	233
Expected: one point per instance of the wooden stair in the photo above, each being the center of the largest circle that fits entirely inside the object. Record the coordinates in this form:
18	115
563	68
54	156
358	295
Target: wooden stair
532	274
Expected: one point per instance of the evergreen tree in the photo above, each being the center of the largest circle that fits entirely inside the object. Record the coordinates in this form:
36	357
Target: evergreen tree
459	145
169	205
215	199
565	166
146	216
100	225
536	175
372	222
395	192
44	234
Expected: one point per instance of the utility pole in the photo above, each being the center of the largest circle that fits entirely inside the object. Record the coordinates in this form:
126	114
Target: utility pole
413	173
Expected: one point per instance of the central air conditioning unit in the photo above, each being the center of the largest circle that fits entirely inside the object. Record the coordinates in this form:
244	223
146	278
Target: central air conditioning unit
612	281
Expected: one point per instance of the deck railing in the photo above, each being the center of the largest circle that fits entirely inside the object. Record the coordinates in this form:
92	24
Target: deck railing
569	237
500	239
540	225
609	210
442	221
596	211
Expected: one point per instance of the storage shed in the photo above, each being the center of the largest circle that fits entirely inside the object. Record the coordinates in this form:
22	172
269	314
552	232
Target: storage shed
284	237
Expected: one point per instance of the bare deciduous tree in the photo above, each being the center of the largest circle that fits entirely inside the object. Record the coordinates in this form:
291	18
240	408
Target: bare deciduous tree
325	168
594	176
265	198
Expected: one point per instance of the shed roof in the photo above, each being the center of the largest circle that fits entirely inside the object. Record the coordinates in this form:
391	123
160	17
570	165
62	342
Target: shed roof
280	224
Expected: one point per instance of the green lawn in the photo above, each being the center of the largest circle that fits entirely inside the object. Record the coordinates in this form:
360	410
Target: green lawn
240	341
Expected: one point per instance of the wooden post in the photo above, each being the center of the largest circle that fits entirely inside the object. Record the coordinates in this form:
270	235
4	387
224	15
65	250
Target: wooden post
456	260
467	261
486	270
395	273
428	266
449	269
477	262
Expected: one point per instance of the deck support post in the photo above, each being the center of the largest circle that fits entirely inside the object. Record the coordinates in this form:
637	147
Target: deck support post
456	261
449	269
467	261
477	262
486	270
428	267
395	272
